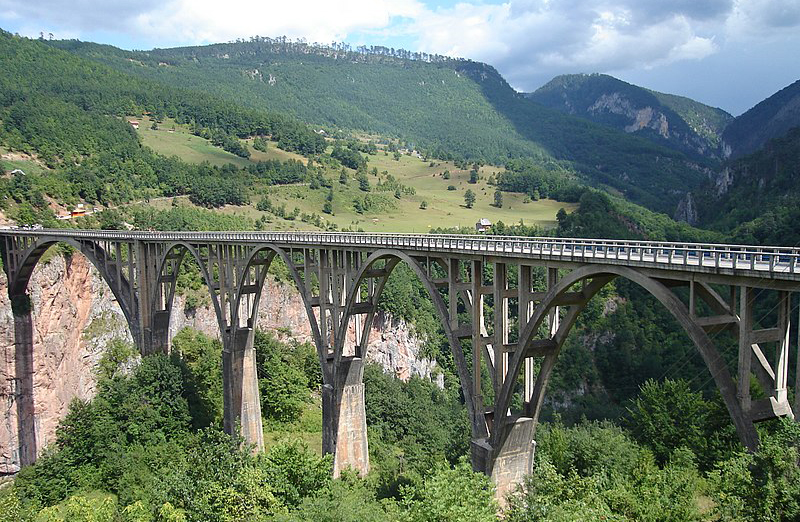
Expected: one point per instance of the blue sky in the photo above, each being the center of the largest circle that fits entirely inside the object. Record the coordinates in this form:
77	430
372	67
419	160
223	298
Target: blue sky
726	53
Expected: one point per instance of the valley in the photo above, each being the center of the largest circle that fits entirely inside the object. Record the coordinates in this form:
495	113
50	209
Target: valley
273	134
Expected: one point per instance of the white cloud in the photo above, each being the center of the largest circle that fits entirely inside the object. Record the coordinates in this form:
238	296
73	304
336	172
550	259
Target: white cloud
534	40
212	21
759	18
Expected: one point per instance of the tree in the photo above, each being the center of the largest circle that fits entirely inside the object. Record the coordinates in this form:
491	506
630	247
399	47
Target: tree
668	415
363	183
561	217
327	208
473	176
343	177
469	198
498	199
423	205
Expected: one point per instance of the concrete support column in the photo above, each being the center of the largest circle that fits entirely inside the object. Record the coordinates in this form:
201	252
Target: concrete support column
510	460
160	332
242	403
23	380
344	419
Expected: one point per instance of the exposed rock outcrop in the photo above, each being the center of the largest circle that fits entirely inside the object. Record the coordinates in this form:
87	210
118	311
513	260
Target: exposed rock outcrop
687	210
75	315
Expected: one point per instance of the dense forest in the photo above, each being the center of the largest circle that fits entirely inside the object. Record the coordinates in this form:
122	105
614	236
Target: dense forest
148	448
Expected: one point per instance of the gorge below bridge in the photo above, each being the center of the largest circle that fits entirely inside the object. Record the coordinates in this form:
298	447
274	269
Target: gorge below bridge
536	287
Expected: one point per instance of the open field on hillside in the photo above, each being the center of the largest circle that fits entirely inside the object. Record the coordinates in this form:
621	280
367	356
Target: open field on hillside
10	161
444	208
174	139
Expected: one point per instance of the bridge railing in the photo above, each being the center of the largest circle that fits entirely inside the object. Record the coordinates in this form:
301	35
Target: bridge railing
775	260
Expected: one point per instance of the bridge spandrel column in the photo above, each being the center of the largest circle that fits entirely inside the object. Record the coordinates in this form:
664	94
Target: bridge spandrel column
242	402
344	418
511	460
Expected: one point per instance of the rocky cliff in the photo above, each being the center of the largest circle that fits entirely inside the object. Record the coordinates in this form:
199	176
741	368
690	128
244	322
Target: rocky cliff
75	316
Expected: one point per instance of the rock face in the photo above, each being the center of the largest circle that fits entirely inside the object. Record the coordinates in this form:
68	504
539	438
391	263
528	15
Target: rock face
75	315
687	210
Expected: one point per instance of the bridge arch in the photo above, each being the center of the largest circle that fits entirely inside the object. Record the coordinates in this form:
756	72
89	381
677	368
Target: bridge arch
393	258
177	251
265	254
604	274
20	266
120	287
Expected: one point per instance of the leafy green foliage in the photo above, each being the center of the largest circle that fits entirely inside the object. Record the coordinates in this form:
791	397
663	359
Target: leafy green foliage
453	495
283	376
763	485
668	415
576	477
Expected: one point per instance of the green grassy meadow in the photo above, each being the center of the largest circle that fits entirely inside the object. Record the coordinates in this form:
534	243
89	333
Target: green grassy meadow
445	208
174	139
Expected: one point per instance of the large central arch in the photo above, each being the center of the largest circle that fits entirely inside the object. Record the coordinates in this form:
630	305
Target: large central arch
671	302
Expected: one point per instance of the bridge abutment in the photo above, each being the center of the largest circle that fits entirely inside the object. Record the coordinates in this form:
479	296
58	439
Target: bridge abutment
242	403
344	419
510	460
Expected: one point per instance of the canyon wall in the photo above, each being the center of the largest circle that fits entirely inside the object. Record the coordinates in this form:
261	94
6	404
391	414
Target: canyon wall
75	315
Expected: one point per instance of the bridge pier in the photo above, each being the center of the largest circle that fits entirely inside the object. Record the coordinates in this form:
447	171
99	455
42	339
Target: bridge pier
509	460
344	419
242	403
23	380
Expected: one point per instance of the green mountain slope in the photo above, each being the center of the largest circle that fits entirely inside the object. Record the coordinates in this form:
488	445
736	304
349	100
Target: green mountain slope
757	197
671	121
446	107
68	112
771	118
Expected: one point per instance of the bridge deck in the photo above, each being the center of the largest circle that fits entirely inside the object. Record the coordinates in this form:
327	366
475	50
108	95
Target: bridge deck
754	263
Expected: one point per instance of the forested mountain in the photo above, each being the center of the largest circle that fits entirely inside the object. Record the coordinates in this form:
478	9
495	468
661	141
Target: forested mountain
68	112
758	196
447	108
772	118
673	121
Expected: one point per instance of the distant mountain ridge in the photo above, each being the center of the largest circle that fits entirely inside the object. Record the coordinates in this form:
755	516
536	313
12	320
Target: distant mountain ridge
444	107
673	121
770	119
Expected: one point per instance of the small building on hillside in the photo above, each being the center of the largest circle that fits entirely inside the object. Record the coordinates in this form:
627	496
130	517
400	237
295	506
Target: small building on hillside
483	225
134	124
78	211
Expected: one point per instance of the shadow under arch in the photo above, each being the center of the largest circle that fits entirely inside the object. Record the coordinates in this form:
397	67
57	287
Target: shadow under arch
476	418
604	274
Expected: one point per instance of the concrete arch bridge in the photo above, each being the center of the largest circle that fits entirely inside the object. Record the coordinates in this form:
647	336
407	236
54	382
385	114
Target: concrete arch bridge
537	288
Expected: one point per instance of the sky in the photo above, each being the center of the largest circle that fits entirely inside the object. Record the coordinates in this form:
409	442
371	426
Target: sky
725	53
